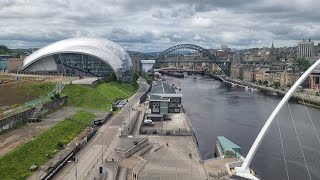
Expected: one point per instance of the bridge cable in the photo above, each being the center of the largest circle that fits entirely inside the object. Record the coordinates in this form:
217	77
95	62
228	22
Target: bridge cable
295	129
284	155
315	130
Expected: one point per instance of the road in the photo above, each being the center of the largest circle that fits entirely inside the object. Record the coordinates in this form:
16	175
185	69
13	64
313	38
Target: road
90	157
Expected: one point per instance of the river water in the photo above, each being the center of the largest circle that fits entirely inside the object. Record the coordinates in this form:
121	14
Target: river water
216	109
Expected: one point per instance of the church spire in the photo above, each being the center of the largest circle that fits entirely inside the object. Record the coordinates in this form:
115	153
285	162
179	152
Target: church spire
272	52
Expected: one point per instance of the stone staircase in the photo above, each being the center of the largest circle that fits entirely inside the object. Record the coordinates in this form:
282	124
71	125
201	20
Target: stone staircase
36	113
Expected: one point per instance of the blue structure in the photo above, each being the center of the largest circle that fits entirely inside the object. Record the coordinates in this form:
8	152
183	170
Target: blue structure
227	148
4	61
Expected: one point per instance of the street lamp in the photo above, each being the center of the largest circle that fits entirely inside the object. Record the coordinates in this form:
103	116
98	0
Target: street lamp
102	149
68	106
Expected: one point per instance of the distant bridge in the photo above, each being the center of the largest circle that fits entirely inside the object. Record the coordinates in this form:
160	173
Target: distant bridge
224	65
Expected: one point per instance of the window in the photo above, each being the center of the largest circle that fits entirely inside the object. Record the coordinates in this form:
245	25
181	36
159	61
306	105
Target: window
156	104
177	110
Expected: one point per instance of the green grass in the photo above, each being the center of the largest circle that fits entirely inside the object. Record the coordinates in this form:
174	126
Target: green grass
99	97
20	92
15	164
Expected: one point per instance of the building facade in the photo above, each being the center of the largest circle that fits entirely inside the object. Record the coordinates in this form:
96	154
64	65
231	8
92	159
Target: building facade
81	57
314	79
14	64
305	49
164	99
147	65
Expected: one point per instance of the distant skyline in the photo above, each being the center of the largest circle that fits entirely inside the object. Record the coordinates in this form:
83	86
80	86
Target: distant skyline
154	25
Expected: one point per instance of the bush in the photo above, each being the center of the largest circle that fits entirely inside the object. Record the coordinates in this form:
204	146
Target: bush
111	78
57	96
276	85
60	145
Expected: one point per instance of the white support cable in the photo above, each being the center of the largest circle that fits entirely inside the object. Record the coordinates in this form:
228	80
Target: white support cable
284	155
315	130
295	130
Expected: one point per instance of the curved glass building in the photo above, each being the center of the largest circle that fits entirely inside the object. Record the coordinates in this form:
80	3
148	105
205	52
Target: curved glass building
81	56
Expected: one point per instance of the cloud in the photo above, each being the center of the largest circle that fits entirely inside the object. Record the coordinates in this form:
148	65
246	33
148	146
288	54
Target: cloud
201	22
154	25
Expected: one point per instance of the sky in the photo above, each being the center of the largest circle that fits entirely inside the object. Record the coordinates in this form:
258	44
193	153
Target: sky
155	25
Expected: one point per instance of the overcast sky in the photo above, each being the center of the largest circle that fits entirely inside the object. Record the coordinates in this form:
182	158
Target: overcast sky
154	25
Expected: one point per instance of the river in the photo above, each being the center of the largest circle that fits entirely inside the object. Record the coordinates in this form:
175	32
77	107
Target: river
216	109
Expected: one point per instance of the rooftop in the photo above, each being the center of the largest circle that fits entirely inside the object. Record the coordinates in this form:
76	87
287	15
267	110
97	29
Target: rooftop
162	88
148	61
226	143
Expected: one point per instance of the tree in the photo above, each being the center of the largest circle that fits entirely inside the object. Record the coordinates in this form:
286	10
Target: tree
265	82
259	81
4	50
276	85
303	64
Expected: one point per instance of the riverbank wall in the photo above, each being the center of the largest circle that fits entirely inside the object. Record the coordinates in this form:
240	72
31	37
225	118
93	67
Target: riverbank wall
22	117
193	133
298	97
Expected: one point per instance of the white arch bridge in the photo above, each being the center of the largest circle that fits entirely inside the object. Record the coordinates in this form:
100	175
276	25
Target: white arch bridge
244	170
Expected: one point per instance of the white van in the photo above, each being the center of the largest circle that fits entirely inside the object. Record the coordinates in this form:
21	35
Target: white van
148	122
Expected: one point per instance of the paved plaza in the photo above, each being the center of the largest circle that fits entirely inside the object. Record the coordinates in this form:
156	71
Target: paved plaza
172	161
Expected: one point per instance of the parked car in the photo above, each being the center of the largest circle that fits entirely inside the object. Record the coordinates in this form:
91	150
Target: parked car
166	117
121	103
98	122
